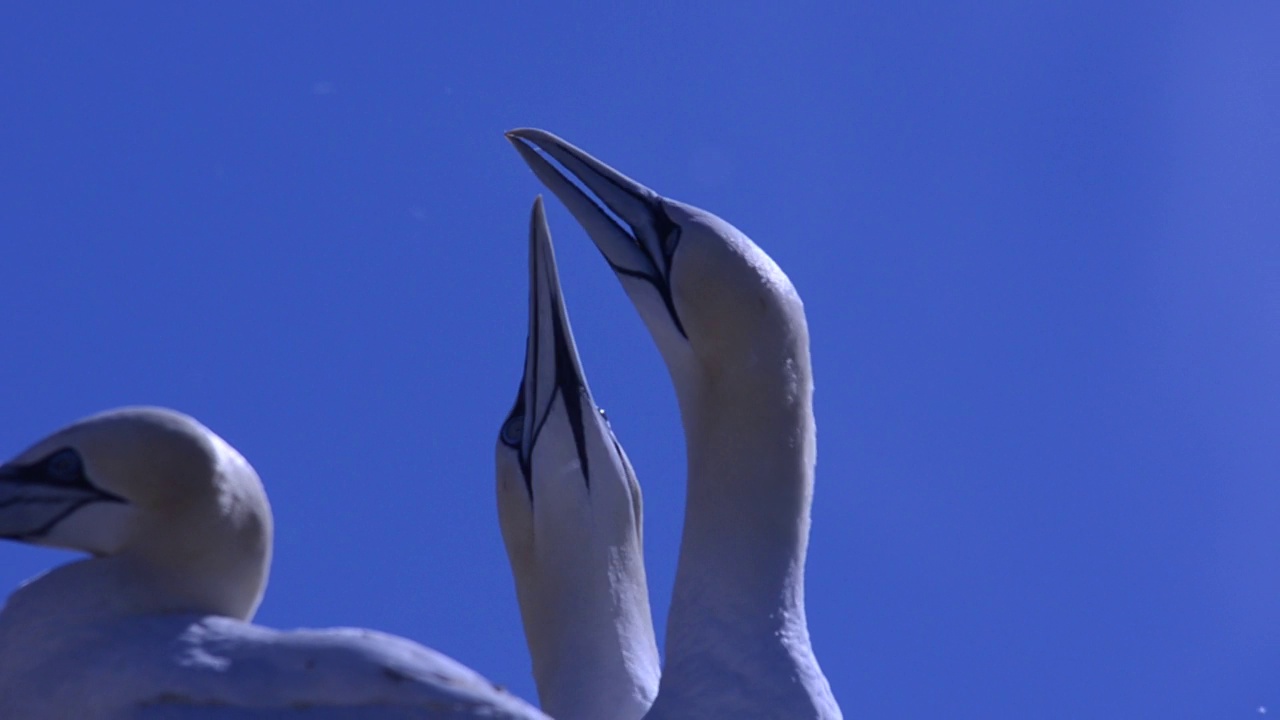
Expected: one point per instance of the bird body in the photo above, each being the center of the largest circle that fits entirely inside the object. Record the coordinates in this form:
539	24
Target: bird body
570	511
156	624
732	331
184	665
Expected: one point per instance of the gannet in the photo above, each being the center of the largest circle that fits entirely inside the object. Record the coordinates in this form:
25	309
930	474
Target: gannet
732	331
155	623
570	513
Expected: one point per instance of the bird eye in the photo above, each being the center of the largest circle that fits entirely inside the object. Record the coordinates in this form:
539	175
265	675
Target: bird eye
670	241
668	231
513	430
64	466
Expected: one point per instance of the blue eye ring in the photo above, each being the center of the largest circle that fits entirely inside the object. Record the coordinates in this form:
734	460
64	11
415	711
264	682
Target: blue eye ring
64	466
513	430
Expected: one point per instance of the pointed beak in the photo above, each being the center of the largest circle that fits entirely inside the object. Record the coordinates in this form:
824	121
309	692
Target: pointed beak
642	250
33	500
552	369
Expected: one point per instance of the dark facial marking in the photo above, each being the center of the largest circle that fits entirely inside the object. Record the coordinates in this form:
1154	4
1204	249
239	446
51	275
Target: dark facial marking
62	469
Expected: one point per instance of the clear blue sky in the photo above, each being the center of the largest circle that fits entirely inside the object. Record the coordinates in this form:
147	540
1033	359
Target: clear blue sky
1039	245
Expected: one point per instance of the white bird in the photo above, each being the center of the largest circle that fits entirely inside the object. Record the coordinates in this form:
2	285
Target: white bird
154	625
570	512
732	330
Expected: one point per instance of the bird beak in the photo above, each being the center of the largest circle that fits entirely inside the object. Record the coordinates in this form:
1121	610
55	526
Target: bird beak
647	250
551	365
33	502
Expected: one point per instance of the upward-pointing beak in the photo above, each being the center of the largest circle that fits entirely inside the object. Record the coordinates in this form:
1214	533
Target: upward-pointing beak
551	366
646	251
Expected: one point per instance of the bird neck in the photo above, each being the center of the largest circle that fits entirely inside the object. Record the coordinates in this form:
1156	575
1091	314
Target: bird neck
737	626
591	641
83	591
122	585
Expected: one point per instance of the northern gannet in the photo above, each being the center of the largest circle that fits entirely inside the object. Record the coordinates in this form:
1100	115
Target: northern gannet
155	624
732	331
570	511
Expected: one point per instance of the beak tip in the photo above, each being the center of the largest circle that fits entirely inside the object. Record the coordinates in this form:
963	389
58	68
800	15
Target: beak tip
520	133
539	212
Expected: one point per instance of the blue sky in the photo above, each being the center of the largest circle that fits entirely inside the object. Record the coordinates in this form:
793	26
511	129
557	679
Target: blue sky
1039	246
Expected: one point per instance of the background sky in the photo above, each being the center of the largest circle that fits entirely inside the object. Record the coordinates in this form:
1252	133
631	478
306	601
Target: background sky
1038	244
